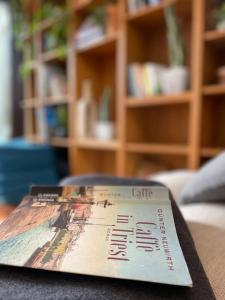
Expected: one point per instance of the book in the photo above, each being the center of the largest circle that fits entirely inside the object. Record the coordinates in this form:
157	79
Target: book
144	79
52	81
136	5
108	231
88	33
52	121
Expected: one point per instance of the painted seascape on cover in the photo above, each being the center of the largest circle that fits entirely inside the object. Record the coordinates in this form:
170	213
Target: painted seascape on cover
109	231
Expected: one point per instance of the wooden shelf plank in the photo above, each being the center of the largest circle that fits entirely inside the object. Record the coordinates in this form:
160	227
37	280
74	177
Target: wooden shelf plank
54	141
48	23
64	99
214	89
30	137
51	55
33	63
153	15
59	142
29	103
210	151
89	143
215	36
83	6
158	148
105	45
28	37
143	13
160	100
48	101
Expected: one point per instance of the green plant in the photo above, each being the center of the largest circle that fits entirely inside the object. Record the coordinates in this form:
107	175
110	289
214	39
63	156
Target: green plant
25	25
175	43
25	69
62	116
104	108
97	15
219	13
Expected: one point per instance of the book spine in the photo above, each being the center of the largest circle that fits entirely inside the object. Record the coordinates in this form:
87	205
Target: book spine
131	5
147	80
139	80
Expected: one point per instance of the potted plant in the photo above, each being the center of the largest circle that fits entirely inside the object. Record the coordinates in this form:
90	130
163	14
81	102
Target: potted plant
104	129
26	23
175	78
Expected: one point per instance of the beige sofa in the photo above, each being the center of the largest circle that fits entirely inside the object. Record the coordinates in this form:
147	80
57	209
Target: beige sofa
206	222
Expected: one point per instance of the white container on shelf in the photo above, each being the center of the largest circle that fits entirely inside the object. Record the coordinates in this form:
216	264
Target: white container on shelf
104	130
174	80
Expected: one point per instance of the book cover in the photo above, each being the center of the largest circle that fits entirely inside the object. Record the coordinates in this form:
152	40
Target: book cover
108	231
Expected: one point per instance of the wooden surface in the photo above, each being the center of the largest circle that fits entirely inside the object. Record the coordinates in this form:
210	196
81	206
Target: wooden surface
182	130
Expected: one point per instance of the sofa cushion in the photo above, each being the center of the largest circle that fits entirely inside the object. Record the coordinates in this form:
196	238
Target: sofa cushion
208	184
174	180
211	249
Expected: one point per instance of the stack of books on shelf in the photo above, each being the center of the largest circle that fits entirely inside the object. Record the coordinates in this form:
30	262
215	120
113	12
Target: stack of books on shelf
52	122
88	33
135	5
144	79
52	81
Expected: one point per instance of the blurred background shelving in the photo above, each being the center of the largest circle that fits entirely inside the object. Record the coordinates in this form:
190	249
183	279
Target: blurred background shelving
174	130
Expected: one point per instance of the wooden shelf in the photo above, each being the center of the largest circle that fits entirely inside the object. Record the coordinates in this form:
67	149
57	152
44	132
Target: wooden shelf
154	14
176	123
84	6
48	23
48	101
35	138
29	103
214	89
150	13
157	148
105	45
210	152
60	142
28	37
159	100
215	36
51	55
54	141
89	143
31	137
33	63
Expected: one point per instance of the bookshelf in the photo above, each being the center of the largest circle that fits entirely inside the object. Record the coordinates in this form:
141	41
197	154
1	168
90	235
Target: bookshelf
181	130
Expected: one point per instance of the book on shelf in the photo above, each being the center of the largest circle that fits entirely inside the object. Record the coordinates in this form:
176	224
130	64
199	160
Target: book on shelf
41	125
109	231
52	122
52	81
144	79
135	5
88	33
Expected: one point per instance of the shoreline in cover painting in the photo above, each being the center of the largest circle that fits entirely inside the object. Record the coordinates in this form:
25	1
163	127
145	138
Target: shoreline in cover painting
109	231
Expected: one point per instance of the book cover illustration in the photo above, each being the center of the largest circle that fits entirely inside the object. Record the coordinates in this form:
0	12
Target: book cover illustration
109	231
